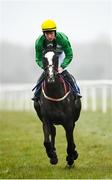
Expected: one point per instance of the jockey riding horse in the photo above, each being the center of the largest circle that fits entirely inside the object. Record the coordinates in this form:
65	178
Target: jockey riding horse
60	42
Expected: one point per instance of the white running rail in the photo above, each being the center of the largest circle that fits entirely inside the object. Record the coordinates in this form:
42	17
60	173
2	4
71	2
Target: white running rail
97	95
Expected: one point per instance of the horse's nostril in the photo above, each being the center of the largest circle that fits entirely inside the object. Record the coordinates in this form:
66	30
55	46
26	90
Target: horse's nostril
51	80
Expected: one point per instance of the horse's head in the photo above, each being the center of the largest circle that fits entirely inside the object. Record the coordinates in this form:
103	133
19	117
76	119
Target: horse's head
50	63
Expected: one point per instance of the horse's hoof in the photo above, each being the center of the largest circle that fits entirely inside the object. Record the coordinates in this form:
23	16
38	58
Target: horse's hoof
54	160
70	160
70	166
70	163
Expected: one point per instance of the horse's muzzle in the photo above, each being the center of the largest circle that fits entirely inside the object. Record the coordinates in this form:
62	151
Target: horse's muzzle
51	80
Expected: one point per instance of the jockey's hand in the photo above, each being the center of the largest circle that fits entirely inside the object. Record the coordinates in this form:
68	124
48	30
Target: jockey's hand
60	69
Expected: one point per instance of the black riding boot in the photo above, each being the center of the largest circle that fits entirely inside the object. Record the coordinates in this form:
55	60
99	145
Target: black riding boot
38	87
71	80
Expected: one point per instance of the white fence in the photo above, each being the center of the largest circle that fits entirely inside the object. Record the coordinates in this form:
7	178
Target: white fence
97	95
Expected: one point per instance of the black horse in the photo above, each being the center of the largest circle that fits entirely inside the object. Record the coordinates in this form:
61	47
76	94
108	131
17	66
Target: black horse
57	106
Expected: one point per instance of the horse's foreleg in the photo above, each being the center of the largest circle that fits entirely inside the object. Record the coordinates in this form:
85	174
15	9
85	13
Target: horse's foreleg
48	145
72	154
53	134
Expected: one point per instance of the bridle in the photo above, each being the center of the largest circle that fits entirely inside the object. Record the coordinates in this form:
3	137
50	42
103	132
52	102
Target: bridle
50	68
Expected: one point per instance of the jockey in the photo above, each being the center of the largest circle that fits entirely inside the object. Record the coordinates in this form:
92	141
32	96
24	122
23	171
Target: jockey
60	42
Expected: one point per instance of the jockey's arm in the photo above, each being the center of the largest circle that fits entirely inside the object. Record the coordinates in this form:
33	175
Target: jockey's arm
68	54
38	53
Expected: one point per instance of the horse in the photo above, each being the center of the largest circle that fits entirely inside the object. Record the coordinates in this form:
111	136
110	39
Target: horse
57	106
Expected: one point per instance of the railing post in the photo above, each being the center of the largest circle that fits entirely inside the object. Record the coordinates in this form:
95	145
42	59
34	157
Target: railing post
104	99
84	99
93	94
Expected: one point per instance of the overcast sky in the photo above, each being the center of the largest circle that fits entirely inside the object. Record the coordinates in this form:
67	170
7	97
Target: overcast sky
81	20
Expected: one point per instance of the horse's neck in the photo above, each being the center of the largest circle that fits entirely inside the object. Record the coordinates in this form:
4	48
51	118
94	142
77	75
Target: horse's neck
55	89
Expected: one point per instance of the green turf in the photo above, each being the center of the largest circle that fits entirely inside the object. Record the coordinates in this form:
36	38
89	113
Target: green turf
22	154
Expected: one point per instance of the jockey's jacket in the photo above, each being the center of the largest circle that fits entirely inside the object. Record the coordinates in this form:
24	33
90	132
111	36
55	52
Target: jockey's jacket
60	43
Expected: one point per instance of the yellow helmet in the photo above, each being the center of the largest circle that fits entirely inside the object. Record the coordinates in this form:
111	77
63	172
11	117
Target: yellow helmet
48	25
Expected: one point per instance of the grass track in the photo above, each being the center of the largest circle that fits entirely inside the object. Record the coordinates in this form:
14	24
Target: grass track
22	154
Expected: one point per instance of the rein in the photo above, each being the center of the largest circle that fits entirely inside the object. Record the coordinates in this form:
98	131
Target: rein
56	99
